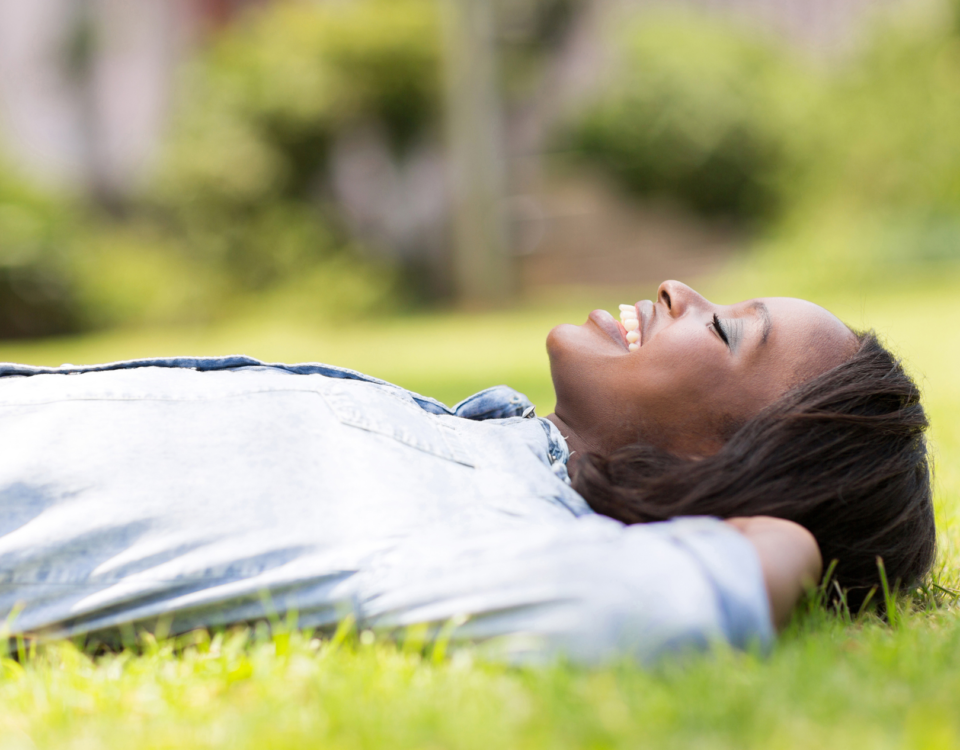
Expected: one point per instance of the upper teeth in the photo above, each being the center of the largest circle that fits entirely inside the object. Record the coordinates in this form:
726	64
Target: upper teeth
628	316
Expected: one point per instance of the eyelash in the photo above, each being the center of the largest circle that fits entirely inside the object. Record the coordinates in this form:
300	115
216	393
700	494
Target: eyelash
719	329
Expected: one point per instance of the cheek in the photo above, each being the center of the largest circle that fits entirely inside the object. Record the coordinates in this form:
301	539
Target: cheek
592	383
683	384
679	369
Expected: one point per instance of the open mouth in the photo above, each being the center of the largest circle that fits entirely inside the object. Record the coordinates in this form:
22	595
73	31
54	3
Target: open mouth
630	322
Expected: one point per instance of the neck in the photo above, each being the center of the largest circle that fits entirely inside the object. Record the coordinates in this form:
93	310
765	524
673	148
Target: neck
578	442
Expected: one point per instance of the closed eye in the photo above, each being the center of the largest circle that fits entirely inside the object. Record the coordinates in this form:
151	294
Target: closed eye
718	327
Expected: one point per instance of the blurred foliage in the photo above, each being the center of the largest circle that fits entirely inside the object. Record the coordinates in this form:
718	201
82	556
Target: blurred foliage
892	126
880	197
701	112
263	104
848	167
238	211
245	175
36	296
241	182
235	214
63	270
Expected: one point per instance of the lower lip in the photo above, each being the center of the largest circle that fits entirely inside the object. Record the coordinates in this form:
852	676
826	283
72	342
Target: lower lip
606	323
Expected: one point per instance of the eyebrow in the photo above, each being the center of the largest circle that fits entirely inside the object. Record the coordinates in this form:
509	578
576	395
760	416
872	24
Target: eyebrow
764	312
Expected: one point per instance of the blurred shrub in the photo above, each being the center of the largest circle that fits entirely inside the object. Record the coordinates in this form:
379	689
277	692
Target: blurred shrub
235	213
129	274
242	180
36	290
850	166
890	123
64	270
880	197
701	112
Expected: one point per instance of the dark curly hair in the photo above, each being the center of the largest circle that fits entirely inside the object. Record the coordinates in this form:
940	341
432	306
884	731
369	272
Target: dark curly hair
843	454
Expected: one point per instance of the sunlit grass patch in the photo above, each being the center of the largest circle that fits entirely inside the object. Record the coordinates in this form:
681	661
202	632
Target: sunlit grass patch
826	684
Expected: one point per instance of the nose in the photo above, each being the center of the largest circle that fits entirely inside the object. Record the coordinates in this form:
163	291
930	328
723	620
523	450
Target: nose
678	298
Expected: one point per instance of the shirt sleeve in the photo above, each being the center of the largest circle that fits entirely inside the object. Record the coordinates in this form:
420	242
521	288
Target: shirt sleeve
593	591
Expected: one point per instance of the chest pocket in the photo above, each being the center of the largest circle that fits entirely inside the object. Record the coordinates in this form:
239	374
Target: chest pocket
377	409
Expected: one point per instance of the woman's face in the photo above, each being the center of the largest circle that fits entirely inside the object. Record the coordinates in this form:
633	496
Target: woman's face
700	371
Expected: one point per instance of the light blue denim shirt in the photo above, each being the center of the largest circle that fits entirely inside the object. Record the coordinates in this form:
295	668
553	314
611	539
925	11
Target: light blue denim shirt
198	491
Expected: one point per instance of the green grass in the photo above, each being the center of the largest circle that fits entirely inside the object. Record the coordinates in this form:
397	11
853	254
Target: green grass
828	682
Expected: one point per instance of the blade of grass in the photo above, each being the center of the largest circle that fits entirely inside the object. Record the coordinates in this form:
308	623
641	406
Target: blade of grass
889	597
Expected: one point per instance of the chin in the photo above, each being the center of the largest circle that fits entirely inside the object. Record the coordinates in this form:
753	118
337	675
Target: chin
560	338
572	368
571	349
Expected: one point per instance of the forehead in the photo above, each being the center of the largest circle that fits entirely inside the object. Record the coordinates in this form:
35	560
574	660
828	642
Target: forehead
798	316
803	333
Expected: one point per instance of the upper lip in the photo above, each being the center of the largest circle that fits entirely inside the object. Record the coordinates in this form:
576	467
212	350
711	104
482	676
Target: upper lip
645	309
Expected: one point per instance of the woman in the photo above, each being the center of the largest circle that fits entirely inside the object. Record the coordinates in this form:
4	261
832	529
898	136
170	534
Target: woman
770	407
201	492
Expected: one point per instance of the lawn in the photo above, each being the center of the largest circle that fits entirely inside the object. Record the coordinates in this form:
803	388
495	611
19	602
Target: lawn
828	683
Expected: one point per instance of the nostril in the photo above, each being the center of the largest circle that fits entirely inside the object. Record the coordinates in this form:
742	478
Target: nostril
665	296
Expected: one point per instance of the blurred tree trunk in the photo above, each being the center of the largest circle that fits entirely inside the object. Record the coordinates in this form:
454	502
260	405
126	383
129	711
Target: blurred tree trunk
81	59
482	264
